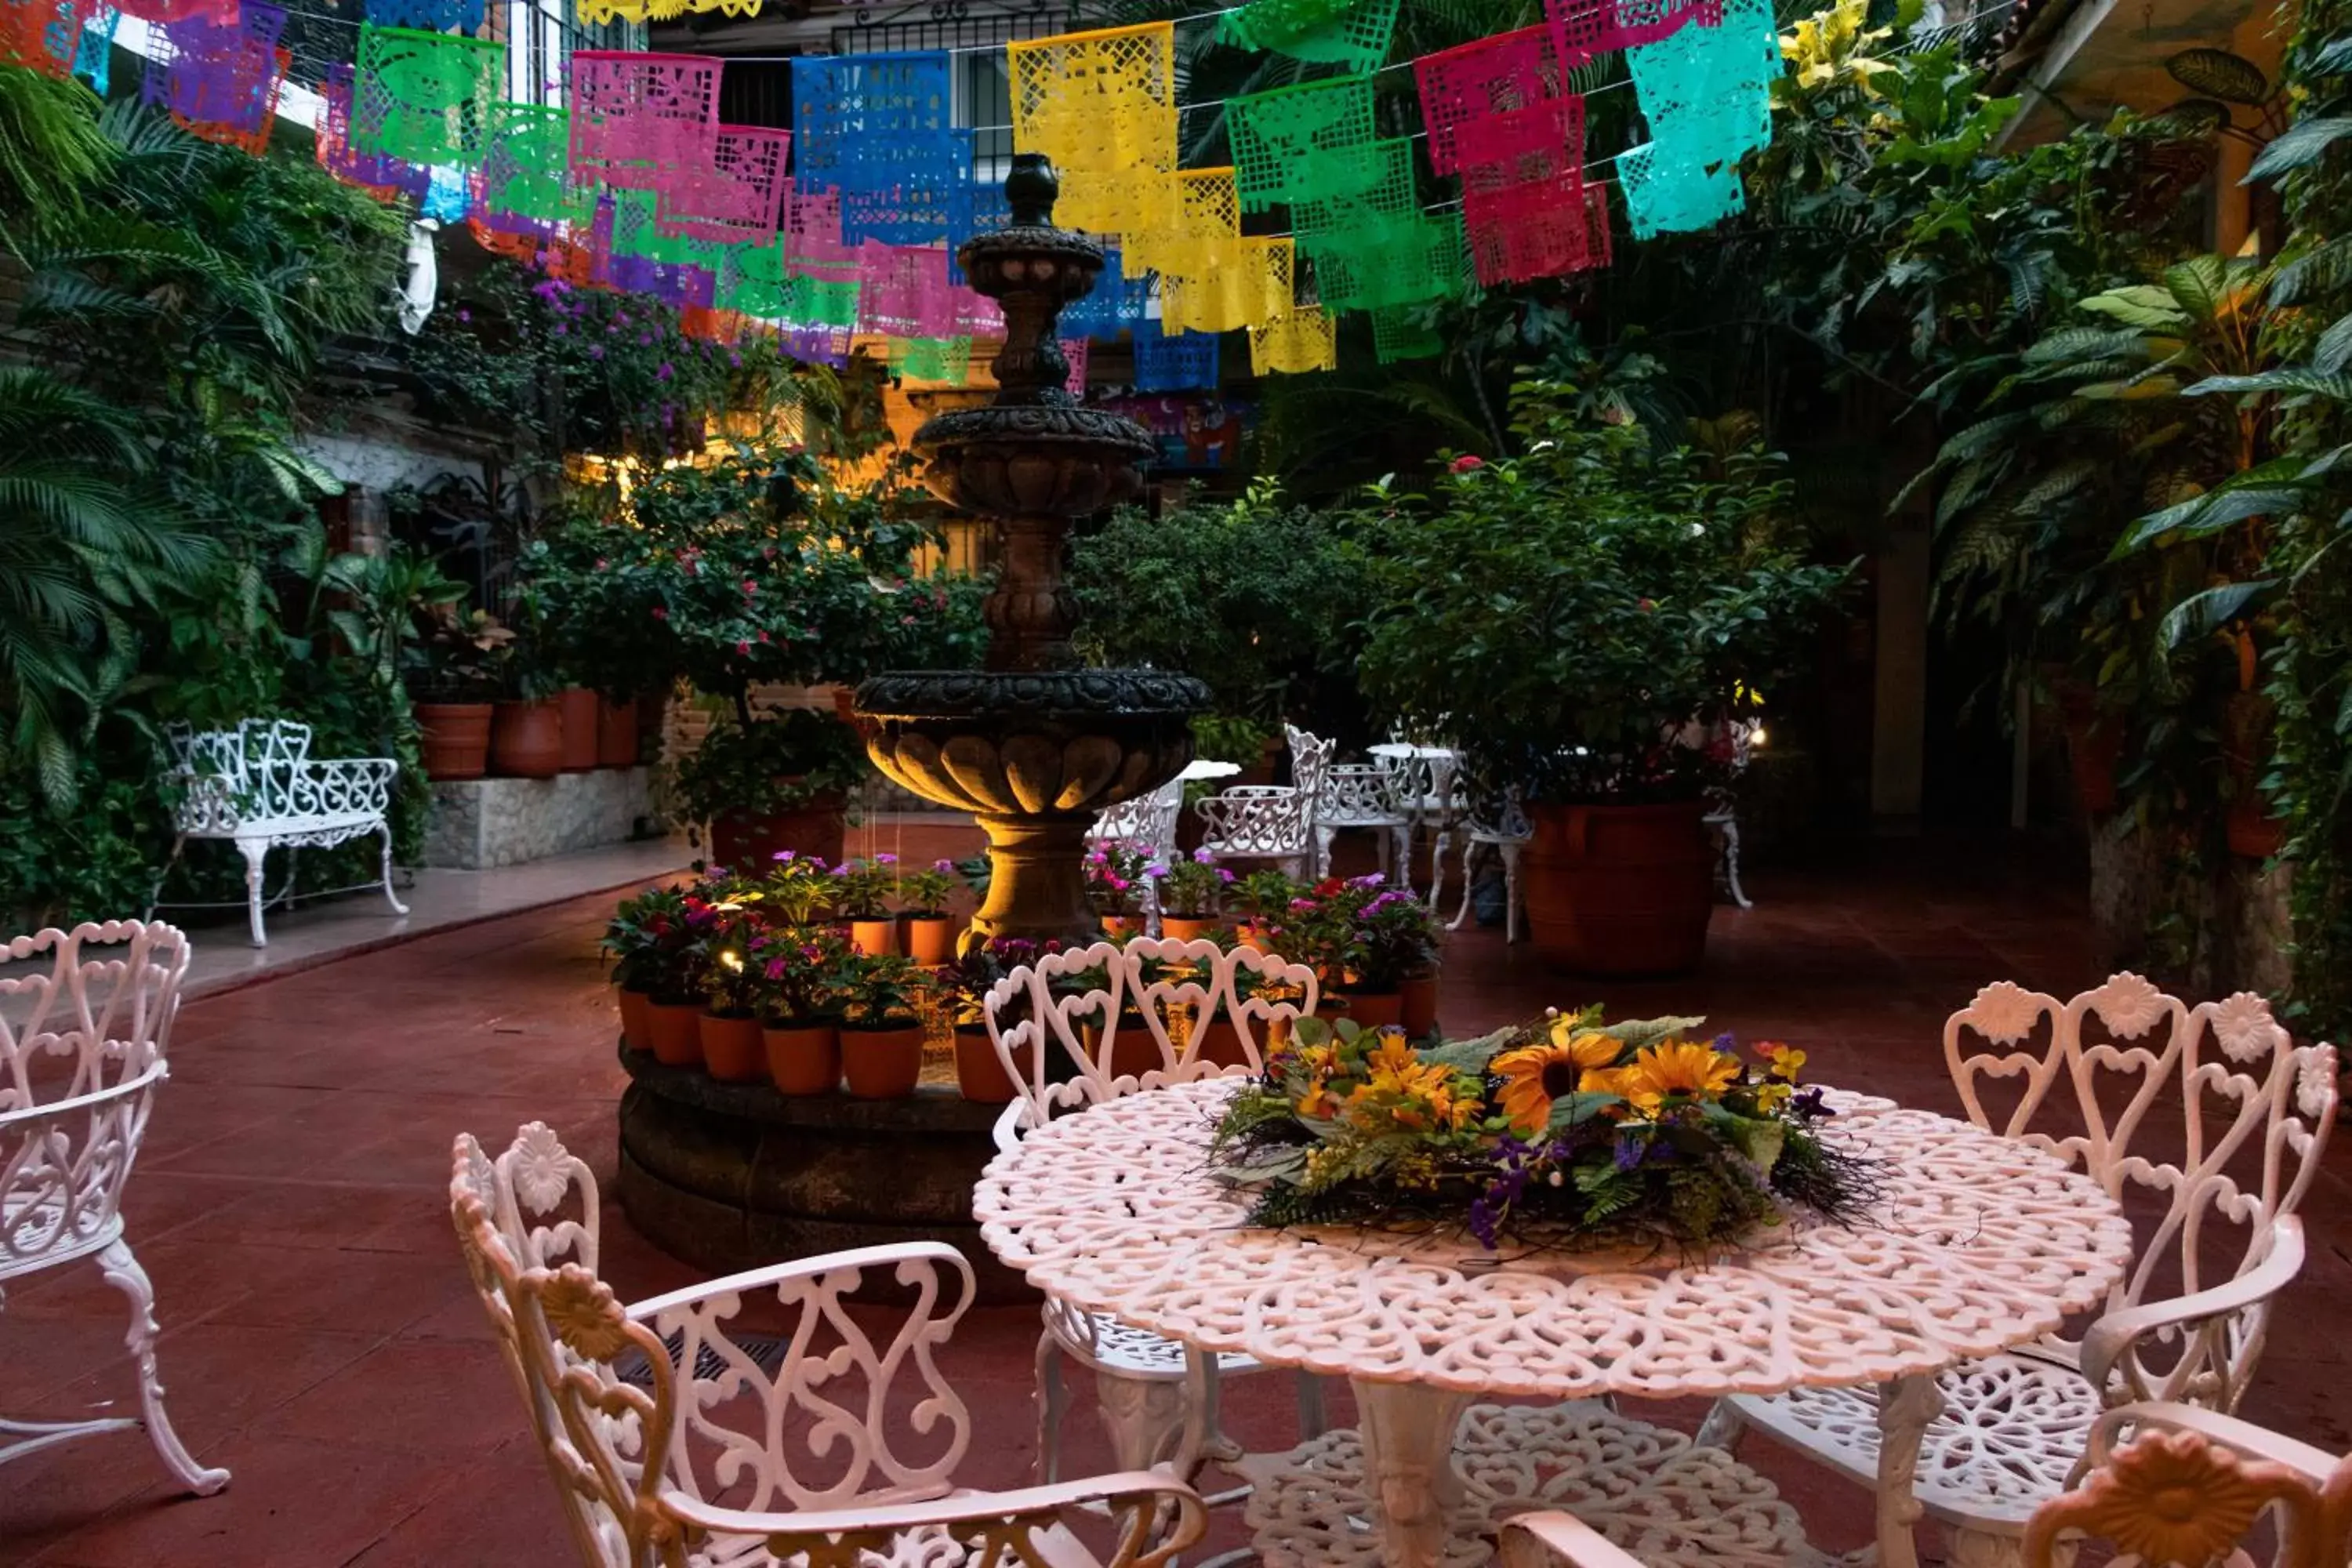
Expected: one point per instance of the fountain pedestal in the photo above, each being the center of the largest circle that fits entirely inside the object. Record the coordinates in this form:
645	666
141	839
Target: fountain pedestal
1033	746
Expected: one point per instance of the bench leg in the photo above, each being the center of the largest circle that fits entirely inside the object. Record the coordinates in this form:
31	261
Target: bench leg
254	851
389	895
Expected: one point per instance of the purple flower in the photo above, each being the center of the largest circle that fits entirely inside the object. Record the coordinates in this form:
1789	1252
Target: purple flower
465	315
782	855
596	350
1156	870
886	859
663	371
1224	875
1628	1152
944	868
1202	857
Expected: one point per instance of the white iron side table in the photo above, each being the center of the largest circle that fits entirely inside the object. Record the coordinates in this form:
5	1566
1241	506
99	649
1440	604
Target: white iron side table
1981	1244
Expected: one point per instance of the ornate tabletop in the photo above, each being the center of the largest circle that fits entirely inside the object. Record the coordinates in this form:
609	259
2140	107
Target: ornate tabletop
1977	1243
1982	1244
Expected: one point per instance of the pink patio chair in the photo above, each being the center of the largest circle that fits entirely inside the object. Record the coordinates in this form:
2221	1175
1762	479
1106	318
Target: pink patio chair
2211	1123
1122	1037
677	1438
81	1053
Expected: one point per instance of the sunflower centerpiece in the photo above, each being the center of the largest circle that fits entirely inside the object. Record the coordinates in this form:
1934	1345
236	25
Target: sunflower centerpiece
1570	1131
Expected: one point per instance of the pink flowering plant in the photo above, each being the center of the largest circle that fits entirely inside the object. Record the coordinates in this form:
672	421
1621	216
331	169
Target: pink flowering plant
798	889
1190	889
924	894
1115	878
861	889
798	973
1395	937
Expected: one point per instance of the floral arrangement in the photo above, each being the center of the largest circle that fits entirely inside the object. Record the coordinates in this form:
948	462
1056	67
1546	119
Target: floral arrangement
1190	889
881	992
651	944
797	972
1114	880
924	894
1569	1132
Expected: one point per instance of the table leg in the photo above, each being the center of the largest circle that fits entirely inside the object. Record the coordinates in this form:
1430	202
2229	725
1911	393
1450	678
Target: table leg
1408	1432
1906	1406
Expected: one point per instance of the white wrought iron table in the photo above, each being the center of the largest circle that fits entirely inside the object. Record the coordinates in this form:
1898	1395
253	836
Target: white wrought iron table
1981	1244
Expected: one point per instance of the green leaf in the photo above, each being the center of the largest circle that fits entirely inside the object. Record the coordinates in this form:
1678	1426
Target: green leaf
2334	349
2293	379
2218	73
1637	1033
2302	145
2200	615
1571	1109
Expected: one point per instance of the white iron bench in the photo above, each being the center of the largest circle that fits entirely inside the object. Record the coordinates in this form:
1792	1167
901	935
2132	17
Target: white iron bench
257	788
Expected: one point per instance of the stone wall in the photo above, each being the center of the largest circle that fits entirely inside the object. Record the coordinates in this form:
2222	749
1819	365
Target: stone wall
476	824
2237	914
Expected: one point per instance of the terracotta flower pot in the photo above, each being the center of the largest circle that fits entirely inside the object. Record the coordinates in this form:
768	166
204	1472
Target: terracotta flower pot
1377	1009
930	939
980	1071
1186	928
677	1030
803	1058
1220	1043
882	1064
636	1019
2253	832
1621	889
875	939
731	1048
1250	934
751	838
526	740
454	738
1418	1001
1133	1051
617	734
1119	928
578	705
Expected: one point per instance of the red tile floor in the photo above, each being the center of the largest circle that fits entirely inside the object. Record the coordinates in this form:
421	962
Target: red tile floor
320	1341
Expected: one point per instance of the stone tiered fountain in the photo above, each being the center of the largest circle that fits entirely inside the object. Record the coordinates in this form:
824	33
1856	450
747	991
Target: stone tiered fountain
728	1175
1033	745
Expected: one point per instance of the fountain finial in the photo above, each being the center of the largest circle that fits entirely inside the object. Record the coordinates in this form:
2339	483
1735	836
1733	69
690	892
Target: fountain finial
1031	189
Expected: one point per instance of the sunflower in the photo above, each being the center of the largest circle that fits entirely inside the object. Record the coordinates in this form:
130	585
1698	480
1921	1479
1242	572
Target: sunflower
1676	1067
1535	1075
1409	1091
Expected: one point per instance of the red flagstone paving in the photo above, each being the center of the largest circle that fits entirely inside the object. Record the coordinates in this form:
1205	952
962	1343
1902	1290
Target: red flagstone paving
320	1340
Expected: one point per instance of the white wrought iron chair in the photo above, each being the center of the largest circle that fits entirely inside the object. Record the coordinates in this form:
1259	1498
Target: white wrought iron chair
1499	823
2188	1486
1551	1538
1723	810
2185	1325
676	1439
1365	794
1149	1407
81	1051
257	788
1270	822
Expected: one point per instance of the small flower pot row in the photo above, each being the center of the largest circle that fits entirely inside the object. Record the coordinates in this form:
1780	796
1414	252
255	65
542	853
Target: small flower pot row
572	732
810	1058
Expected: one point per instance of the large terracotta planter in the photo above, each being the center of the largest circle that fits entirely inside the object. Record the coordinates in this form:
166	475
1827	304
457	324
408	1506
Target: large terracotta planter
882	1064
980	1071
636	1019
732	1050
454	738
1186	928
526	740
1119	928
677	1030
803	1058
875	939
750	839
1132	1054
2246	722
1220	1043
1376	1009
581	728
617	734
1619	889
929	940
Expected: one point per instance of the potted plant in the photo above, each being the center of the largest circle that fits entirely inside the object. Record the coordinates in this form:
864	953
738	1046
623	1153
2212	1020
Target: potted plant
881	1029
799	972
1261	899
1115	886
861	893
783	783
453	672
1571	618
643	934
923	897
577	708
732	1050
674	1006
980	1071
1192	890
1396	948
